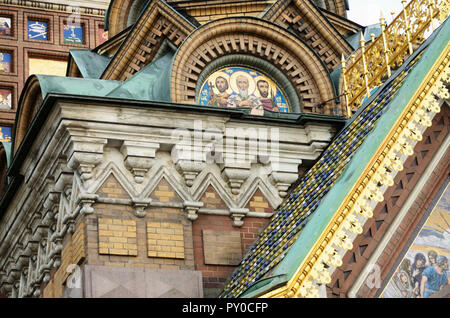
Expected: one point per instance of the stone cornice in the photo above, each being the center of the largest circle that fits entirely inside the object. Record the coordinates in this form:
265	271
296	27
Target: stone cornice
84	9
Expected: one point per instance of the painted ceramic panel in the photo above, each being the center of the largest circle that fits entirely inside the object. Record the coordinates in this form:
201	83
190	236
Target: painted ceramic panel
424	269
5	134
5	98
102	36
237	87
73	34
5	62
5	26
37	30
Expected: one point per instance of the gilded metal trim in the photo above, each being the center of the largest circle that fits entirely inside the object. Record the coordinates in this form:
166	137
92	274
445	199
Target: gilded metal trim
393	151
397	41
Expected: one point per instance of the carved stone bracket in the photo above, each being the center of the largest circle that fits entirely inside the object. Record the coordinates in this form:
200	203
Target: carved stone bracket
85	154
283	174
190	170
86	200
191	208
55	251
283	180
235	177
139	157
237	214
50	208
140	205
7	288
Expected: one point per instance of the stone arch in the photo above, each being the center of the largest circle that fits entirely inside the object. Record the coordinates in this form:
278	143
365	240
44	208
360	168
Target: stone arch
336	6
123	13
261	39
29	102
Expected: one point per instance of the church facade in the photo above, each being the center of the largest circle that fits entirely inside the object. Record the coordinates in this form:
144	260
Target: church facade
234	149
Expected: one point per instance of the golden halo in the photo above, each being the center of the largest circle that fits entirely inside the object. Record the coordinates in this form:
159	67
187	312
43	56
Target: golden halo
251	82
212	79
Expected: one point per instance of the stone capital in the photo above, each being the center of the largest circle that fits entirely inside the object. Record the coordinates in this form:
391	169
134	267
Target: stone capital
139	157
140	205
237	214
189	170
235	176
191	208
84	154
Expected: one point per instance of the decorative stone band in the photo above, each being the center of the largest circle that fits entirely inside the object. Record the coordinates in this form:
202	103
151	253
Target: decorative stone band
56	7
368	191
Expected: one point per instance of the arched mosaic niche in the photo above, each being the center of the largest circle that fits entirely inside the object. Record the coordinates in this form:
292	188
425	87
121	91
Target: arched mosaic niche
423	270
242	82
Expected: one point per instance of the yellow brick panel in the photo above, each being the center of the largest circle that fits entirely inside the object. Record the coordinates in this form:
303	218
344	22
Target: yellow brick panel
111	188
66	260
165	240
78	245
259	204
74	252
165	193
117	237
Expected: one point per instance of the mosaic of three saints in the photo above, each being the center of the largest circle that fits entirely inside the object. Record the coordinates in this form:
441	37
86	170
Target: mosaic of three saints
242	98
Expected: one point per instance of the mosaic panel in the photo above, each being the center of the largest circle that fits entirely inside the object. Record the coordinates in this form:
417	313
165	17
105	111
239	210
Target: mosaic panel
423	270
238	87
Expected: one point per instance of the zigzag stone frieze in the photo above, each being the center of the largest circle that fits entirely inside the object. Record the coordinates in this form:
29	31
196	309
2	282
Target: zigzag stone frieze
76	151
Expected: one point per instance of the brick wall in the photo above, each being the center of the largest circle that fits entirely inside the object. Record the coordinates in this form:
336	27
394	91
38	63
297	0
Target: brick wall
73	253
212	11
218	245
116	237
163	239
216	273
22	48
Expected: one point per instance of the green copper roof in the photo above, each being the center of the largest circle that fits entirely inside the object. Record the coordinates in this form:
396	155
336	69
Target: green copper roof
75	86
151	83
90	64
156	79
307	210
7	147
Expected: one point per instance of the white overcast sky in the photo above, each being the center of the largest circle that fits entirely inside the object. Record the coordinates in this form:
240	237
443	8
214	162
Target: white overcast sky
367	12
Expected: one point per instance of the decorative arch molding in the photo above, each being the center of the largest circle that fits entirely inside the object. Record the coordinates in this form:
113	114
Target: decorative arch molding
157	22
336	6
308	23
113	170
29	102
123	13
255	38
170	175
